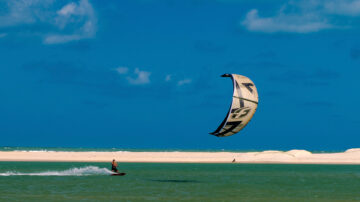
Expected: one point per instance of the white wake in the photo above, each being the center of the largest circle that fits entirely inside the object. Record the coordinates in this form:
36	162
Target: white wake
83	171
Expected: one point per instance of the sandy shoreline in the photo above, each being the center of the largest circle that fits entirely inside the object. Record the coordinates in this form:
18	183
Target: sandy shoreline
351	156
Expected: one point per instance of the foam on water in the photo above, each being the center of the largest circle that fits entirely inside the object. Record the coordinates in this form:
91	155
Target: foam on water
82	171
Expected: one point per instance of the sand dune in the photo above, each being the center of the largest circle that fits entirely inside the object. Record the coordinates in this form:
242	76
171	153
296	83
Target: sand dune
350	156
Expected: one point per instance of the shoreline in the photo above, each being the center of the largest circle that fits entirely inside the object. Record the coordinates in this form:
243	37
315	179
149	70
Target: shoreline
351	156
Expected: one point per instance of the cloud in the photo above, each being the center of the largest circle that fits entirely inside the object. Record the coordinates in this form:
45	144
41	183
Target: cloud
343	7
81	15
183	82
139	77
56	39
142	77
23	12
2	35
297	23
122	70
303	16
70	22
68	10
100	81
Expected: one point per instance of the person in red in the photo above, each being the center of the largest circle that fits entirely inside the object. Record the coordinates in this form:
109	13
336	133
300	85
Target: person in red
114	166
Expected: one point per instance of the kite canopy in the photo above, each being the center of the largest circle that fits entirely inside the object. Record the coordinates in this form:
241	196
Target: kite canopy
244	103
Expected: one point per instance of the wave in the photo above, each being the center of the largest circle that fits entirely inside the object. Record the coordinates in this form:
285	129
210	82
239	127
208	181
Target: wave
82	171
42	150
125	150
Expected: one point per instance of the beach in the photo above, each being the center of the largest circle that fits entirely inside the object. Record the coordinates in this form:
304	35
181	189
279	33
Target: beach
350	156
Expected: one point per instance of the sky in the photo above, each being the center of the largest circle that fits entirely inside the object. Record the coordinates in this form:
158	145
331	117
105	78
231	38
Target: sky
145	74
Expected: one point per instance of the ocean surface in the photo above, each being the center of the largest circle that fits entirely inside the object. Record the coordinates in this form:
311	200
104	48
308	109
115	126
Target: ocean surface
59	181
66	149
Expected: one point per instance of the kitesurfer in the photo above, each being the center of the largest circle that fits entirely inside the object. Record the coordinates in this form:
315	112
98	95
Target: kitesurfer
114	166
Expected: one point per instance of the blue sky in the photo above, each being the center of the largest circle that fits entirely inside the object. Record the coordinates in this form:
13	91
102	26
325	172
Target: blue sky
146	73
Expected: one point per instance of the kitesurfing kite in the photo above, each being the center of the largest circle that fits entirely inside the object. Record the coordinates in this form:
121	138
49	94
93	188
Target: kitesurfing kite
244	103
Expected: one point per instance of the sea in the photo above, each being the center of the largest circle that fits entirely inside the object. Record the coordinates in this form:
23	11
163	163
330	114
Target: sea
89	181
89	149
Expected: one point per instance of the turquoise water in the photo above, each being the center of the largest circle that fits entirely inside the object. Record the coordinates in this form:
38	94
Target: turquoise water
34	181
69	149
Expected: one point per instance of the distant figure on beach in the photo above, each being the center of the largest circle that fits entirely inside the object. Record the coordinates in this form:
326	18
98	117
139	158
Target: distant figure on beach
114	166
233	160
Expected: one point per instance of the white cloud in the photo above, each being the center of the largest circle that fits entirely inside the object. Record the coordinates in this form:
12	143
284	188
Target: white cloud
183	82
73	21
68	9
18	12
56	39
303	16
2	35
122	70
142	77
303	23
343	7
81	15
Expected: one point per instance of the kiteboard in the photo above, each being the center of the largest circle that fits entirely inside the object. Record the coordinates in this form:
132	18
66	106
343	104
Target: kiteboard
118	174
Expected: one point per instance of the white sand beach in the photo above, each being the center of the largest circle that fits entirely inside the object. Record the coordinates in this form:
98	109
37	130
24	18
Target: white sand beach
351	156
